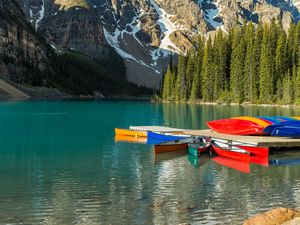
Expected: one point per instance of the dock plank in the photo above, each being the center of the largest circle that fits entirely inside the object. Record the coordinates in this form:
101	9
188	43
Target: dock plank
156	129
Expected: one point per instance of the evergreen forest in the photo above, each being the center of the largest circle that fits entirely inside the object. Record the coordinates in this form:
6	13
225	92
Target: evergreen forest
257	64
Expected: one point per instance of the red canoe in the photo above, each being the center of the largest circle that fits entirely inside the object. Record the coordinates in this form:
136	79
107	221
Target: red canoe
260	160
236	127
254	150
243	156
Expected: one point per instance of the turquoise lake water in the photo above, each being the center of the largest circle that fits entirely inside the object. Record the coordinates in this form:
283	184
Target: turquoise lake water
60	164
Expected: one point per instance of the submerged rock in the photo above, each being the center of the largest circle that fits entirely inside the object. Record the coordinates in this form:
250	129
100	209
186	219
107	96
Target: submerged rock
277	216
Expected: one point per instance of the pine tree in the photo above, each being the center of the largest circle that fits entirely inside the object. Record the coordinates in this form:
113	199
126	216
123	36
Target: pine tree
220	59
237	66
250	65
257	52
287	93
197	85
180	88
280	64
167	85
190	74
266	73
208	72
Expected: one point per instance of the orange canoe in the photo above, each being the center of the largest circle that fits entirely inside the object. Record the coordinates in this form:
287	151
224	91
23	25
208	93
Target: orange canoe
127	132
130	139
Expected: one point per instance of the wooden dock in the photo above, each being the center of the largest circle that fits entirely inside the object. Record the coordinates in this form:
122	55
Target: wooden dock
262	141
156	129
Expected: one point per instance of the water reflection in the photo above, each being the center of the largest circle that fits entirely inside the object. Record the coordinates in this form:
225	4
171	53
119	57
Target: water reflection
234	164
194	116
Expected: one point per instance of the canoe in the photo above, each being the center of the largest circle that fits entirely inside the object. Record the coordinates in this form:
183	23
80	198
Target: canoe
233	164
255	150
236	127
127	132
259	160
130	139
291	123
233	153
166	136
195	149
163	148
242	146
255	120
293	132
172	146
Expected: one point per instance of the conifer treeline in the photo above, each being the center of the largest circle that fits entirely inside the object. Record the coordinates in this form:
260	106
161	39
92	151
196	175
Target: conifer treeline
257	64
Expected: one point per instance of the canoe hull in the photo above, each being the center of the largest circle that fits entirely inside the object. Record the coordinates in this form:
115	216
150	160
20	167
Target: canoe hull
130	139
127	132
163	148
271	128
258	151
165	137
293	132
244	157
195	149
236	127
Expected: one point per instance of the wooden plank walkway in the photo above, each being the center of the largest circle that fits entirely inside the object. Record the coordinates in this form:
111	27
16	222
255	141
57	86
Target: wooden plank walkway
156	129
263	141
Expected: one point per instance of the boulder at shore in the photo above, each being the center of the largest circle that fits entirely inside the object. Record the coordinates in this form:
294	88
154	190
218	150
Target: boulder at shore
277	216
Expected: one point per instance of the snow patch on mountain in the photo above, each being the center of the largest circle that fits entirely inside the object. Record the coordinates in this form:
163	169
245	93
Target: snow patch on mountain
211	13
167	28
113	40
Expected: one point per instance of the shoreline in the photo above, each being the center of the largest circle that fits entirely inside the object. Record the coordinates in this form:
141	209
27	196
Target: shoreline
74	98
245	104
6	98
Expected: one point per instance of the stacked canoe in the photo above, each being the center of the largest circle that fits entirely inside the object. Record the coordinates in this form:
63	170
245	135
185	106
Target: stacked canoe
274	126
246	125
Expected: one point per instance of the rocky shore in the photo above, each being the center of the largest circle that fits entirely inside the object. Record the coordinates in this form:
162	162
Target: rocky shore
279	216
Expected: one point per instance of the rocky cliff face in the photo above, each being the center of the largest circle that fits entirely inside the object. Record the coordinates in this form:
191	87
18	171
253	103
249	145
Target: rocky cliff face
22	53
145	32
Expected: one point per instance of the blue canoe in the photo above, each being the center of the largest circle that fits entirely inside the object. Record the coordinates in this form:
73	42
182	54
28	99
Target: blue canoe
291	123
293	132
157	138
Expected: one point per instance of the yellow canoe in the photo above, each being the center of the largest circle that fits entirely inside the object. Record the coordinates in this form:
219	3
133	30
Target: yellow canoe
127	132
296	117
253	119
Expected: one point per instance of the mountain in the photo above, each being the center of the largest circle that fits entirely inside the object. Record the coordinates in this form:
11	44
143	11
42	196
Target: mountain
144	32
28	62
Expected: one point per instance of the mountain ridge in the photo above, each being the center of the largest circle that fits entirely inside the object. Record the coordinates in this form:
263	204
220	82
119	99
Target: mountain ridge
145	32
